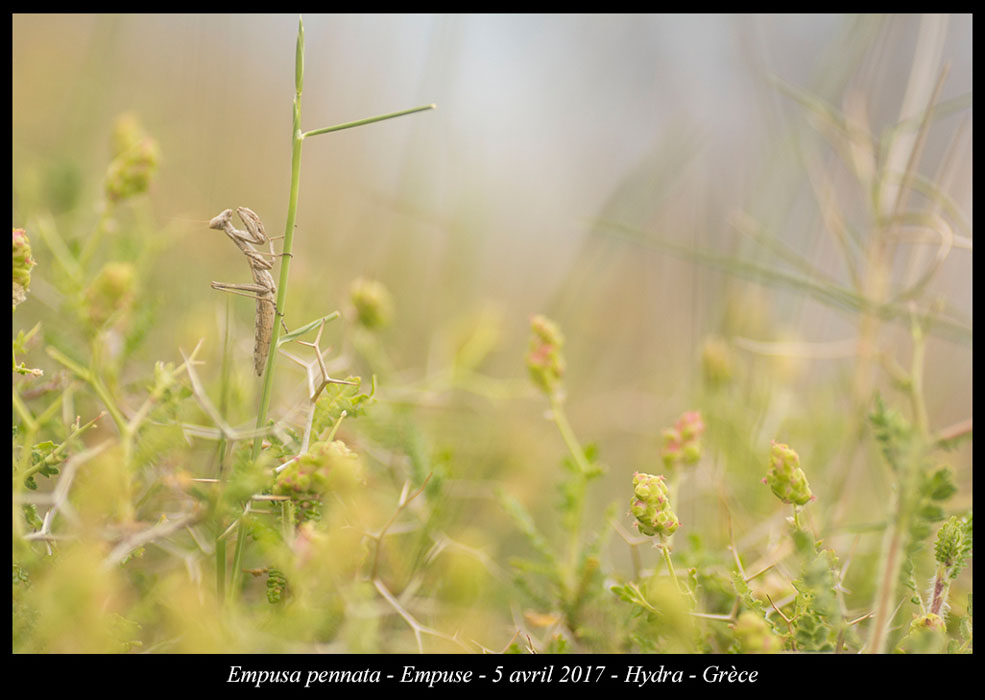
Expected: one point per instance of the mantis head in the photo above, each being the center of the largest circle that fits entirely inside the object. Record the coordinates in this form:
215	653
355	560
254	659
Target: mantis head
221	221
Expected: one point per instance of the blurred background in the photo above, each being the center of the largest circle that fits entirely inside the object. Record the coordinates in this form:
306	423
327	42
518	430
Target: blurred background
680	193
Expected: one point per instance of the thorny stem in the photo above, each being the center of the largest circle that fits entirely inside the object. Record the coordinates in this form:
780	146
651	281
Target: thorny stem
896	536
285	262
297	140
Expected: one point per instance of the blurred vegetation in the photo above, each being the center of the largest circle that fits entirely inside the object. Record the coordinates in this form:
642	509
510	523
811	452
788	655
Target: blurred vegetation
597	439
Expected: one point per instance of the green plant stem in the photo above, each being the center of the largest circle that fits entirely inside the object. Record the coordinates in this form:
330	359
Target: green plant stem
86	376
916	381
238	556
94	240
578	454
665	548
887	589
60	450
285	268
370	120
220	543
25	413
224	395
670	564
297	140
220	570
568	435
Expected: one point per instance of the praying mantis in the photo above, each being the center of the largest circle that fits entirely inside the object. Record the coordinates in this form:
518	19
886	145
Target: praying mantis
263	289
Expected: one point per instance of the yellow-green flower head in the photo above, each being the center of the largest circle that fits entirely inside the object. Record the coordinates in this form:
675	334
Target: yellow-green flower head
690	426
372	301
682	442
671	451
928	621
785	477
651	507
22	264
754	636
953	543
544	359
325	467
127	133
136	156
716	362
112	291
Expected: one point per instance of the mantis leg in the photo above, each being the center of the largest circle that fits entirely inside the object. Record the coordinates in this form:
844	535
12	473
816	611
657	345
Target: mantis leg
258	291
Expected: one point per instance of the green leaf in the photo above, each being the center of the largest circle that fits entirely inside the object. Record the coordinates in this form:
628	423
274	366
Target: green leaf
940	485
336	398
526	525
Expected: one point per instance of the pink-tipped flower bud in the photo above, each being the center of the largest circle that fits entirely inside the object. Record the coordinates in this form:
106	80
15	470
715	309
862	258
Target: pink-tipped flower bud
651	506
682	443
785	477
544	359
22	265
136	157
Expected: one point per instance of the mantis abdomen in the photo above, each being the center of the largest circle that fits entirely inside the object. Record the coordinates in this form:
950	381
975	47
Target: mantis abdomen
263	289
266	310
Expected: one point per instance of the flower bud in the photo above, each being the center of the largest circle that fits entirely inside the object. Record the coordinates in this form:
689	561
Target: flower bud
691	453
112	291
785	478
651	507
325	467
928	621
22	264
672	449
953	544
135	160
372	301
682	442
277	586
716	362
127	133
690	426
544	359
